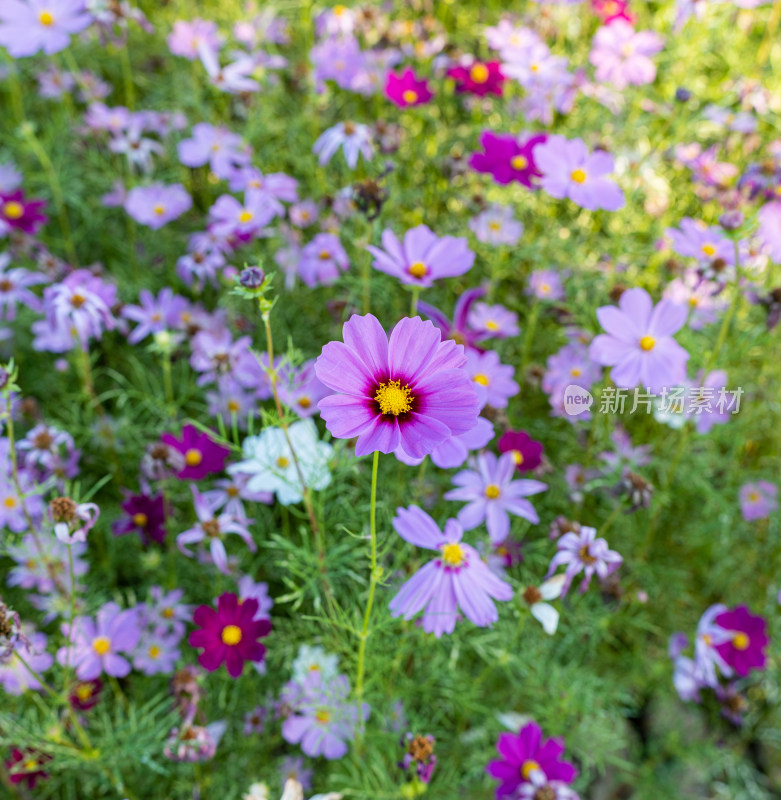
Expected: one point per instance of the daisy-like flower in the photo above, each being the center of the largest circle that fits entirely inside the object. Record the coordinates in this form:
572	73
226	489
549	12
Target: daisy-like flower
29	26
422	257
95	645
232	78
229	635
457	329
456	580
409	391
15	288
698	296
748	640
569	170
315	659
188	35
639	343
493	380
157	204
223	150
322	260
479	78
15	677
496	225
758	500
694	239
493	322
491	495
269	463
202	455
583	552
229	217
18	213
352	137
526	452
542	611
545	284
213	528
622	56
525	753
157	652
154	314
507	158
145	515
407	90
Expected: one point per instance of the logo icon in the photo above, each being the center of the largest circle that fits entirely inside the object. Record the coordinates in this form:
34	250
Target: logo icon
577	400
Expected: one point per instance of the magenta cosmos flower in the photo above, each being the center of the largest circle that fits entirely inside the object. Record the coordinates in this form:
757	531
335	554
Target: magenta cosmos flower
507	159
20	214
622	56
230	634
480	78
639	344
27	27
569	170
423	257
457	579
202	455
526	752
407	90
526	452
410	391
745	649
157	204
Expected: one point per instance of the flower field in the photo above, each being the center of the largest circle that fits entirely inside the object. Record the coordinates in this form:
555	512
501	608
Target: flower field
389	400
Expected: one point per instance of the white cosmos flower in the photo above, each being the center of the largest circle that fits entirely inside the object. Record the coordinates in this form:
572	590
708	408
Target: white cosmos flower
545	613
315	659
269	461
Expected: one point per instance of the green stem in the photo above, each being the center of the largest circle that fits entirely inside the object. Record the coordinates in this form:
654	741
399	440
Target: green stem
413	309
531	324
373	580
127	74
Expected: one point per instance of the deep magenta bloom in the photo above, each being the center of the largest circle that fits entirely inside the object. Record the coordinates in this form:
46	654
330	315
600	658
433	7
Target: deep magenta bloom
406	90
522	754
480	78
20	214
526	452
202	455
144	515
745	650
410	392
508	159
26	766
230	634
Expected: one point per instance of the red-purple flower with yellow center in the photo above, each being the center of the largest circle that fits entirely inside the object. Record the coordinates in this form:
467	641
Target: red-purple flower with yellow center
229	634
745	649
410	391
20	214
202	455
480	78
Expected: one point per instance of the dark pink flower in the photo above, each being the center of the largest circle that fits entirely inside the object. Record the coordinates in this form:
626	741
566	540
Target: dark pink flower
20	214
202	455
480	78
745	650
508	159
527	452
407	90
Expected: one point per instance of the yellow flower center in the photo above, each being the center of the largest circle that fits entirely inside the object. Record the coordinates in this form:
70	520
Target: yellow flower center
324	255
492	491
544	288
46	18
339	10
140	519
232	491
707	639
168	613
233	406
527	768
83	691
30	765
10	502
575	372
483	380
578	175
519	162
159	210
693	301
282	462
740	641
193	457
418	269
323	715
409	96
453	554
647	343
753	497
479	73
13	210
517	457
393	398
154	651
304	402
231	635
495	226
246	215
709	250
491	325
101	645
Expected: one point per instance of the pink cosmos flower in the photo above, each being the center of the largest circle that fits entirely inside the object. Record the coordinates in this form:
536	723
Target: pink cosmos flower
758	500
457	580
569	170
545	284
479	77
493	380
17	213
409	391
583	552
202	455
508	158
423	257
229	217
622	56
639	344
698	296
29	26
157	204
188	35
322	260
406	90
745	648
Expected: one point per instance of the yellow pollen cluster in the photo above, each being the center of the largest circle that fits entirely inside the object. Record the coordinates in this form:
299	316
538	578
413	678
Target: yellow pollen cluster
13	210
140	519
495	226
709	250
453	554
393	398
304	402
193	458
575	372
409	96
282	462
740	641
517	457
154	651
46	18
519	162
10	502
527	768
324	255
159	210
492	491
479	73
246	216
483	380
693	301
101	645
418	269
578	175
491	325
323	715
647	343
83	692
231	635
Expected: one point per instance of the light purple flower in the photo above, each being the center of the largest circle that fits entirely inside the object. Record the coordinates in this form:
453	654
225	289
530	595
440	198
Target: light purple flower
40	563
583	552
422	257
493	322
157	204
758	500
545	284
569	170
493	380
492	495
622	56
353	138
249	590
157	652
29	26
639	344
322	260
770	229
697	240
233	78
15	677
95	645
496	225
154	314
188	35
456	580
698	296
229	217
222	150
